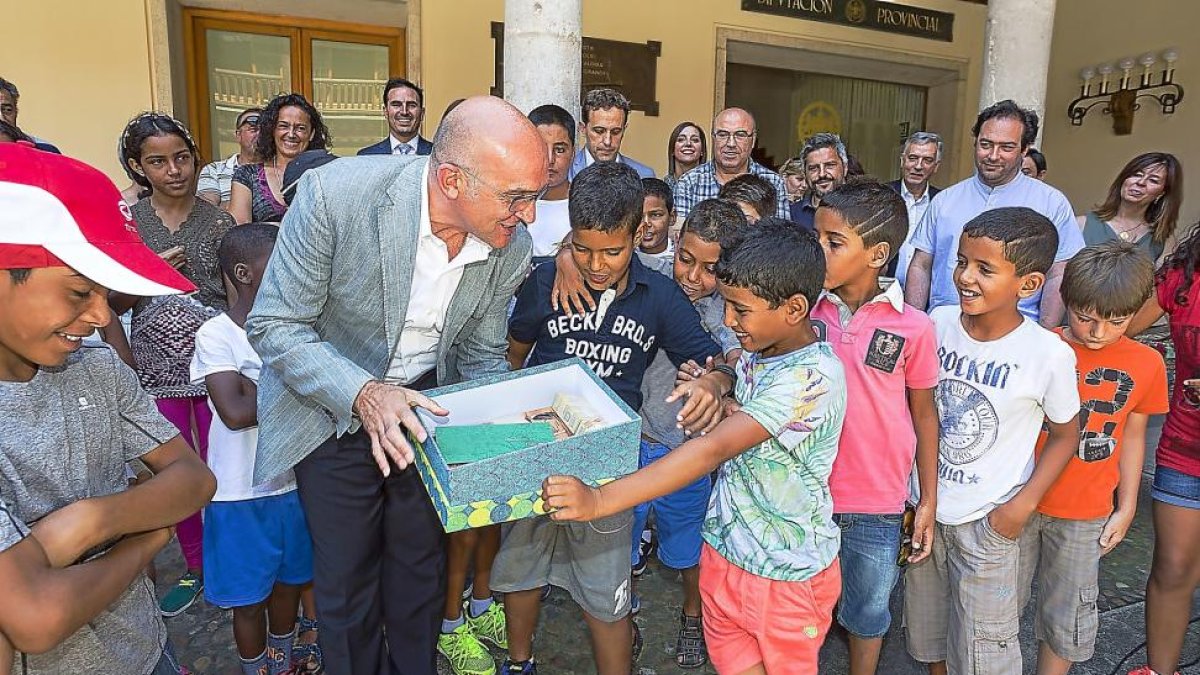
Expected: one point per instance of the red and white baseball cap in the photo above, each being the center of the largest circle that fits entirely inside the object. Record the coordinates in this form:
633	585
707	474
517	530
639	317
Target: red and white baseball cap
57	211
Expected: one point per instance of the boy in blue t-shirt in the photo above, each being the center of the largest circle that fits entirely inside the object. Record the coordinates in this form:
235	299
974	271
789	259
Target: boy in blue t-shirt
637	313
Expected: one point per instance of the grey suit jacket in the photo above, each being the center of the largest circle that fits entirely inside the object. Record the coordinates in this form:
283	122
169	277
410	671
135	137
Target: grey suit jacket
328	316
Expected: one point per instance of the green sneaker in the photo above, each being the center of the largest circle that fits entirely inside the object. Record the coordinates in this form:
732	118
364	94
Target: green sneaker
466	654
177	601
490	626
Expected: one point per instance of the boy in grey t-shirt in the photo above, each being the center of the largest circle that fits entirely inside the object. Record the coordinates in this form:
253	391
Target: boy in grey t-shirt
74	539
680	515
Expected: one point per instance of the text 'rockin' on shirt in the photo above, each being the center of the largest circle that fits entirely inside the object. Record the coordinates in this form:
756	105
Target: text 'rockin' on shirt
618	340
992	397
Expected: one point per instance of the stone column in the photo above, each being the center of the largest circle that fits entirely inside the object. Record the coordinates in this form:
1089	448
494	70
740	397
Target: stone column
1016	53
542	64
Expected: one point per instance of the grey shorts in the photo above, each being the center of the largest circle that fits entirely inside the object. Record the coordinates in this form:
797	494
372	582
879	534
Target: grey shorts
588	560
1065	556
961	604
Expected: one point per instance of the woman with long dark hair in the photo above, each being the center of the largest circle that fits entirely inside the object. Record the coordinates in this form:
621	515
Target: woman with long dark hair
1142	206
288	126
687	148
159	155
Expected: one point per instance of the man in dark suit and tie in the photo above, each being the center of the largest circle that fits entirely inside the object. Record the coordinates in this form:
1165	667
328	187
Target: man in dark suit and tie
920	157
391	275
404	106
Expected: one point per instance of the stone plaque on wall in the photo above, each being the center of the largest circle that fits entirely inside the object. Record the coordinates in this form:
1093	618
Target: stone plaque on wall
628	67
890	17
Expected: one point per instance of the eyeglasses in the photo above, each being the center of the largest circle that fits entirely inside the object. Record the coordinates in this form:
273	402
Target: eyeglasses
518	200
740	136
251	121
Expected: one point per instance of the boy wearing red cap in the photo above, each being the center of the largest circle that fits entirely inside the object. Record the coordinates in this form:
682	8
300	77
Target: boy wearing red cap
74	540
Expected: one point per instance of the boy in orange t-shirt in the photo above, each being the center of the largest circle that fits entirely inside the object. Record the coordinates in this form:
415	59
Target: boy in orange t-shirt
1121	383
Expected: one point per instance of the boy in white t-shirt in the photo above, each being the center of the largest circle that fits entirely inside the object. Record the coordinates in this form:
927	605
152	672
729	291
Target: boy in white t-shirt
552	225
1000	376
257	550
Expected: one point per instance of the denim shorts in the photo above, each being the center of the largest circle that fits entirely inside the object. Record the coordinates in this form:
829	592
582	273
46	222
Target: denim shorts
870	545
679	515
1176	488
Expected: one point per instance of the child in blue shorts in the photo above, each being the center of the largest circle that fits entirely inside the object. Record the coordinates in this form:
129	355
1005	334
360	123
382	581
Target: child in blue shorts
680	514
257	550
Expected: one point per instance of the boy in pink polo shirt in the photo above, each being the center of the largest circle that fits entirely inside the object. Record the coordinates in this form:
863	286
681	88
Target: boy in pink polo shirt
889	352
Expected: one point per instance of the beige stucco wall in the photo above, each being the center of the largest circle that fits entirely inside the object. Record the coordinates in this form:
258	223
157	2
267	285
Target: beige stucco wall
83	69
98	73
457	54
1084	160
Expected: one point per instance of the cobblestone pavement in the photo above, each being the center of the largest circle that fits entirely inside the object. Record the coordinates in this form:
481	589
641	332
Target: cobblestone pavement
203	636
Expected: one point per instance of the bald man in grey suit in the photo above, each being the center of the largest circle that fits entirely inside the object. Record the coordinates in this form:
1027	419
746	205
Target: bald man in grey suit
391	275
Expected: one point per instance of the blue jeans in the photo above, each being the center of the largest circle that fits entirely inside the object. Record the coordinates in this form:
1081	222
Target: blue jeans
870	545
1175	488
679	515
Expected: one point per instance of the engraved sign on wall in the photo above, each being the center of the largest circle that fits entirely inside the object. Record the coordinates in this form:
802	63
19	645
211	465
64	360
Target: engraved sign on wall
890	17
629	67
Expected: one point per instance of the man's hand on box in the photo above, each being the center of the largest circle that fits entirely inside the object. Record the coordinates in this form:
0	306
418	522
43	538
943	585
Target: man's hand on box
386	412
568	498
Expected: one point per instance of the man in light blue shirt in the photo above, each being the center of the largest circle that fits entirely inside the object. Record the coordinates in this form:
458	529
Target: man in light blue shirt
1002	133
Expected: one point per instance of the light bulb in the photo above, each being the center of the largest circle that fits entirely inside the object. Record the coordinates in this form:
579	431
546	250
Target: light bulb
1126	63
1087	73
1105	68
1147	59
1170	55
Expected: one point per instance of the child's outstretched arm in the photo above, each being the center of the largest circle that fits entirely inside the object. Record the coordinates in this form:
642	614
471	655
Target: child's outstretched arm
235	397
924	414
1009	518
44	606
1129	464
568	498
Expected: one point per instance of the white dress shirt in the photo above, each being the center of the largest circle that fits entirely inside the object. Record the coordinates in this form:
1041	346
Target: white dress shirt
435	279
412	145
917	206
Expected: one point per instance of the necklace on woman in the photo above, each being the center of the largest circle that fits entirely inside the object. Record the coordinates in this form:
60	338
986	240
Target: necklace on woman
1128	233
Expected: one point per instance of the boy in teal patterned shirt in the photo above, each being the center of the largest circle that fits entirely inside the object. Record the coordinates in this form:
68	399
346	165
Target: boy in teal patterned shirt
769	577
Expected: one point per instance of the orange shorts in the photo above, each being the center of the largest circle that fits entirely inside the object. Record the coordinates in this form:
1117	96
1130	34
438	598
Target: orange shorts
750	619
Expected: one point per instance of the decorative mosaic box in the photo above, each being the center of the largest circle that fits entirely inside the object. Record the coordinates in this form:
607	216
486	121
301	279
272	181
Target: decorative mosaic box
508	487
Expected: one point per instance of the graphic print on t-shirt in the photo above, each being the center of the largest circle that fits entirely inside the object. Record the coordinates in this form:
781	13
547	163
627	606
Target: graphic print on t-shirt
605	358
820	329
1099	444
884	352
969	421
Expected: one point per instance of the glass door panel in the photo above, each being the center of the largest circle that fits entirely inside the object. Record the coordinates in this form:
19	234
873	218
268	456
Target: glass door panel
347	81
244	70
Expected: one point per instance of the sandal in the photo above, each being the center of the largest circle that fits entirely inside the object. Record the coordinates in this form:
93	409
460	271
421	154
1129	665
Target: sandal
307	656
637	641
690	650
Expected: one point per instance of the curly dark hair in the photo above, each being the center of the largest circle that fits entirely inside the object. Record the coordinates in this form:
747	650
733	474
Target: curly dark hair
1186	257
265	147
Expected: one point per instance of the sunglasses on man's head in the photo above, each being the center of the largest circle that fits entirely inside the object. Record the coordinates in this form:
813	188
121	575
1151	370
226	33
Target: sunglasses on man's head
250	121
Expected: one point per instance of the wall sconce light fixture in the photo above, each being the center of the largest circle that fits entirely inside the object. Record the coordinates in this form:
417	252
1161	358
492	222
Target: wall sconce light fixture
1119	98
